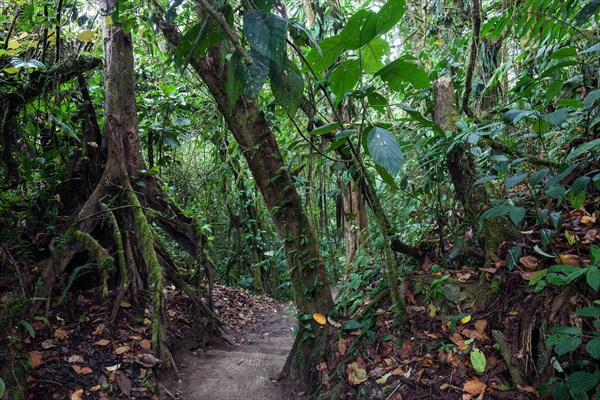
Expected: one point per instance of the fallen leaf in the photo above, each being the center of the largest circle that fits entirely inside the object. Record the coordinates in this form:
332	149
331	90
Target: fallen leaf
588	220
61	334
99	329
474	386
36	359
102	342
48	344
124	304
529	390
459	341
122	350
356	374
342	346
320	318
81	370
480	325
113	368
567	259
75	359
94	388
148	360
124	383
77	395
466	319
406	349
146	344
333	323
529	262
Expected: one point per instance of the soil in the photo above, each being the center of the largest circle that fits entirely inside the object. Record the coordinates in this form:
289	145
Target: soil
247	368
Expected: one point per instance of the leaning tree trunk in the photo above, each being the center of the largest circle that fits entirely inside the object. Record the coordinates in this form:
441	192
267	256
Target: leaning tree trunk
250	129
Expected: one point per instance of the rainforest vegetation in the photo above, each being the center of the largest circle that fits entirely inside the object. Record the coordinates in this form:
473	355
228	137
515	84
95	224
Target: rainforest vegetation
438	161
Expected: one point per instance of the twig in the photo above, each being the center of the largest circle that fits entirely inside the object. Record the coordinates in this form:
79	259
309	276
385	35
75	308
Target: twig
227	29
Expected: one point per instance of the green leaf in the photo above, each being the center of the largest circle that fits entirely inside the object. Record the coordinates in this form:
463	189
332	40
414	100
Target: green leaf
417	116
554	89
384	149
588	312
266	34
389	15
324	129
331	48
584	148
516	214
172	143
583	381
360	29
350	325
557	117
592	277
28	328
563	53
567	345
538	176
386	177
2	388
514	116
591	98
542	252
560	392
287	86
253	75
595	255
372	54
181	121
515	179
402	71
478	359
377	101
344	78
557	192
574	103
495	212
593	348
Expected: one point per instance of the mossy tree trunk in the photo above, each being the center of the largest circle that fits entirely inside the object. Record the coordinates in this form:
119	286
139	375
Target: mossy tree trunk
249	127
464	172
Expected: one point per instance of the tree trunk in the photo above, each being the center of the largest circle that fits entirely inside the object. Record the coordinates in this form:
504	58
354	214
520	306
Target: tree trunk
247	123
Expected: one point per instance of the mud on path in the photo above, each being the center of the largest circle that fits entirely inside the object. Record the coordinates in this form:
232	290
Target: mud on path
248	368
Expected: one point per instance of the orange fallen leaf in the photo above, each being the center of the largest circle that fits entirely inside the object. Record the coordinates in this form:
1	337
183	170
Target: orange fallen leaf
99	329
567	259
76	395
36	359
458	340
529	262
474	387
81	370
122	350
588	220
146	344
125	304
342	346
102	342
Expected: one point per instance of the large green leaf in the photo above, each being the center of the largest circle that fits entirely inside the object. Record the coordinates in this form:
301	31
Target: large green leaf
377	101
331	48
253	75
582	380
372	54
360	29
402	71
344	78
389	15
384	149
287	85
266	34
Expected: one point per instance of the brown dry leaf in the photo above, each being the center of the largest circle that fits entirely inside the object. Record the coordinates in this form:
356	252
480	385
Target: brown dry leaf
48	344
124	383
356	374
102	342
342	346
406	349
431	335
567	259
529	390
333	323
458	340
148	360
397	371
122	350
590	235
480	325
99	329
38	325
529	262
36	359
147	321
81	370
77	395
94	388
61	334
146	344
588	220
474	387
125	304
473	334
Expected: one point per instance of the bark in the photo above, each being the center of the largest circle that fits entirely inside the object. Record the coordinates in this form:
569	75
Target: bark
247	123
464	172
476	21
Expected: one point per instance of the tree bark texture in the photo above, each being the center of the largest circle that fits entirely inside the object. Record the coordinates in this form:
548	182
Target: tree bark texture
249	127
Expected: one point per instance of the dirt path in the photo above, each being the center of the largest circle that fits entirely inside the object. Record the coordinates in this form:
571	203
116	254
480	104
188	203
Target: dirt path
248	369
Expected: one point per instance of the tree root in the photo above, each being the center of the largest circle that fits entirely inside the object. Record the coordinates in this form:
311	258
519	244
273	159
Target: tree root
515	374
